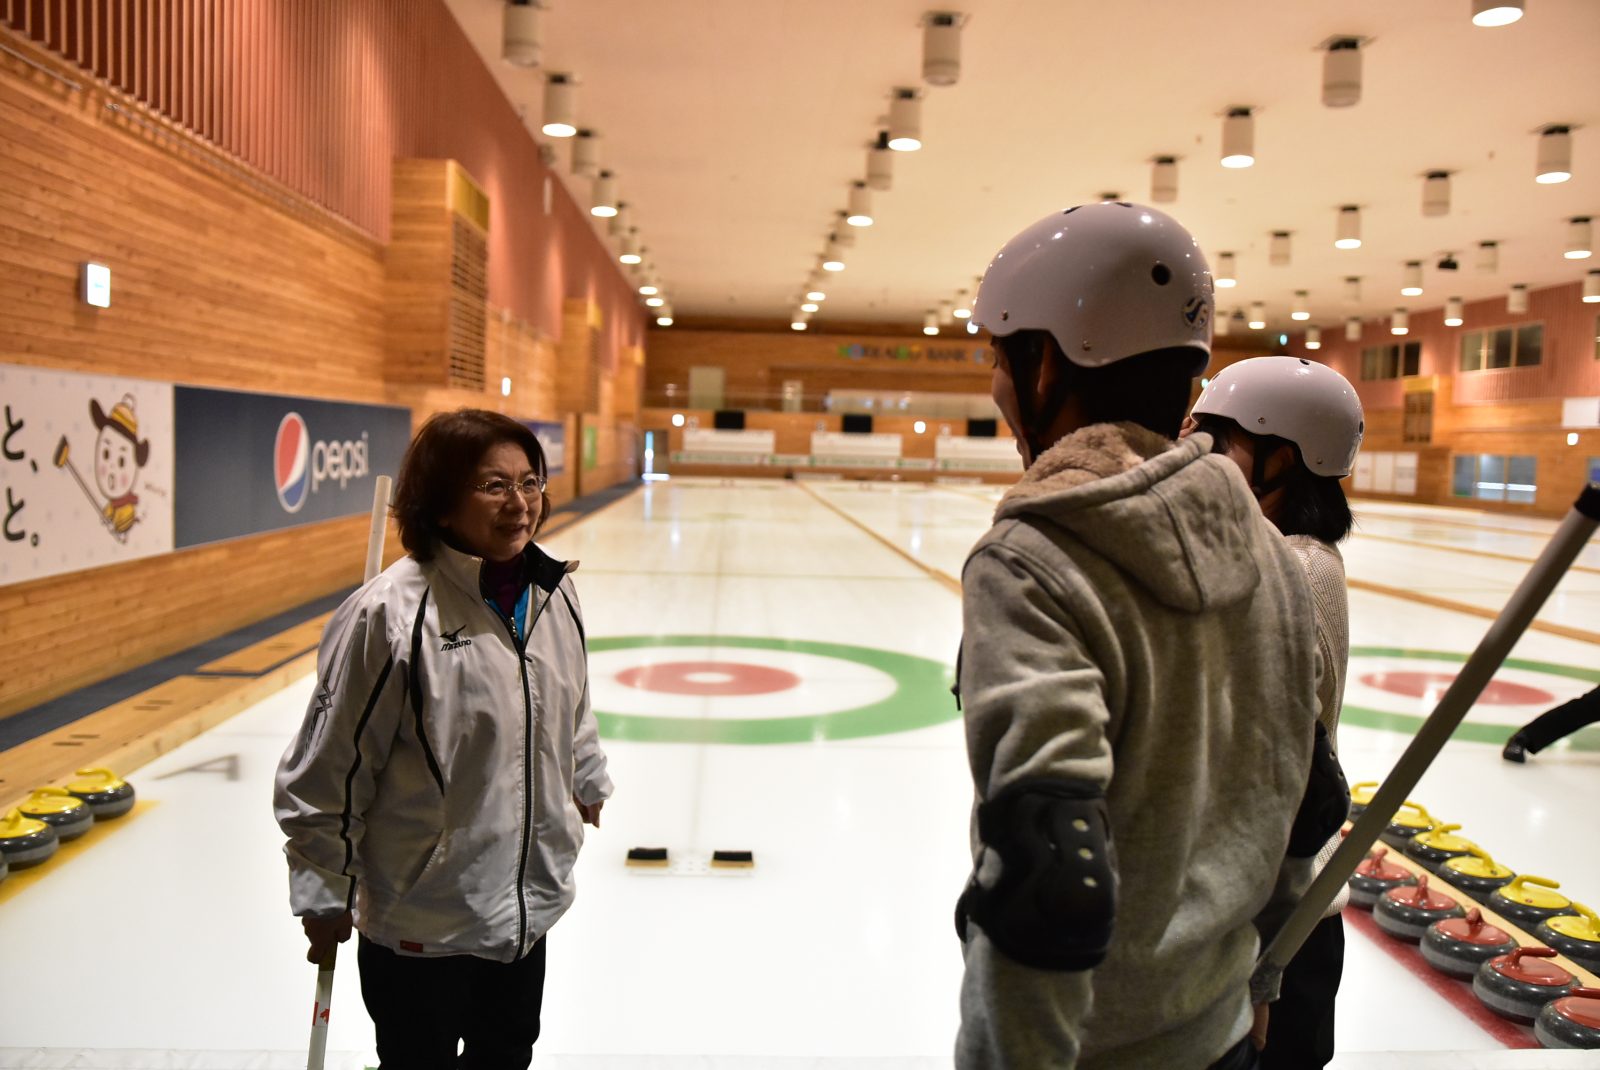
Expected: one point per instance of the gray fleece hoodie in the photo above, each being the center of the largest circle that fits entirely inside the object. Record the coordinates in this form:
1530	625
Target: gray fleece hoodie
1134	624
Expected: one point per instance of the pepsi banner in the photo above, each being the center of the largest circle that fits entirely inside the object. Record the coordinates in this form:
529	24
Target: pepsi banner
252	463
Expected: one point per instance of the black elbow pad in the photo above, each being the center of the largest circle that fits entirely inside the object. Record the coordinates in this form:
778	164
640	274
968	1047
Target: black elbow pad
1053	905
1326	803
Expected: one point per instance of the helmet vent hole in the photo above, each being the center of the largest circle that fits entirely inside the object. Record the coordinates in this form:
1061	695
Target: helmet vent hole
1162	274
1306	362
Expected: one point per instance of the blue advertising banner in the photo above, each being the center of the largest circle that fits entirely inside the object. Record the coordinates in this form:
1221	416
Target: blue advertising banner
251	463
553	437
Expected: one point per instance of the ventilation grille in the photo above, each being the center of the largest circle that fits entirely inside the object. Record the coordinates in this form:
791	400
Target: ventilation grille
469	293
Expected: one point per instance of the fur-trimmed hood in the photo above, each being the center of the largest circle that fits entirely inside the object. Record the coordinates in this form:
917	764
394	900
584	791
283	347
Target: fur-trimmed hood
1169	514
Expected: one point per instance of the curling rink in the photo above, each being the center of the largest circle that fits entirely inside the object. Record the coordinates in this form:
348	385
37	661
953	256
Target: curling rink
771	663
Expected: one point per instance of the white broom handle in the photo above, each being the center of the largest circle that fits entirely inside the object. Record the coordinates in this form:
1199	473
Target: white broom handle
380	524
1430	739
320	1011
322	1008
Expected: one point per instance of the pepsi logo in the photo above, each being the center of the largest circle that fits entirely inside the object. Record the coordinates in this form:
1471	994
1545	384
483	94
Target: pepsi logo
291	467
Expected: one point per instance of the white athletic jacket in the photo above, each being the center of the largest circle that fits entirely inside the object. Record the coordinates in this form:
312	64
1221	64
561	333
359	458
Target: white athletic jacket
430	788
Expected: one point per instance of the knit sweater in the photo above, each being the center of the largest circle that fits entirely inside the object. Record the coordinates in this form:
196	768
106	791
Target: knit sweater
1133	624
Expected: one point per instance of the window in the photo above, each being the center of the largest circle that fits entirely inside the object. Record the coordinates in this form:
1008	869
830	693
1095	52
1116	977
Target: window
1504	347
1391	362
1418	425
1494	478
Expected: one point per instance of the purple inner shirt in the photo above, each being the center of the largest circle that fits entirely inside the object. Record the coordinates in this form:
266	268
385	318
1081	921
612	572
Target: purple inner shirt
502	583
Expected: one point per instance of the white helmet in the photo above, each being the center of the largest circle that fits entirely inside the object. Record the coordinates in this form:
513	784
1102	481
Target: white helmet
1108	281
1307	403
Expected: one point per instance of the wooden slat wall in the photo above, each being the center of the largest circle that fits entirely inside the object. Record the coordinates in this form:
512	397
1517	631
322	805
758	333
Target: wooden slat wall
220	279
284	86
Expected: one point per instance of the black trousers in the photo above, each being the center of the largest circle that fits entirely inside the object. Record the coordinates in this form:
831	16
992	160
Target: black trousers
1242	1056
422	1008
1300	1025
1562	721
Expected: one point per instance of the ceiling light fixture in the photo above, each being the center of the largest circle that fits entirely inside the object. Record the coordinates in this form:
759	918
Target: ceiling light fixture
631	251
1341	72
815	294
655	302
1400	322
1258	315
1278	251
1580	238
1347	234
1436	193
519	34
1591	288
947	311
833	255
1452	312
1352	329
1352	289
1226	278
963	307
941	47
905	120
1411	283
1220	326
1313	337
798	323
1517	299
1496	12
1300	312
586	154
560	105
605	196
1488	256
880	163
810	306
1164	180
1555	155
930	322
1238	138
649	289
860	214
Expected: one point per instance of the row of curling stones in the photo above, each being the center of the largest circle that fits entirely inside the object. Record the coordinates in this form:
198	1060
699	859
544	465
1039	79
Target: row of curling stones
36	828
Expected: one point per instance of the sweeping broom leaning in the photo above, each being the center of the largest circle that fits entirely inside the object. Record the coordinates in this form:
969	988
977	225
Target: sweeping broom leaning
324	998
1524	604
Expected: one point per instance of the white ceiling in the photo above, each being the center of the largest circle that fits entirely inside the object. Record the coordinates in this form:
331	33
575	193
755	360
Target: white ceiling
735	127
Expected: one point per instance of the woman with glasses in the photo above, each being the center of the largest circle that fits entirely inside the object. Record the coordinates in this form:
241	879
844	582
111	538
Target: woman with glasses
435	797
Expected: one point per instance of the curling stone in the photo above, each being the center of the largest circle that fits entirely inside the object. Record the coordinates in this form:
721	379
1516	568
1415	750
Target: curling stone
1577	937
1573	1021
1374	876
107	794
1410	820
24	841
1433	849
1458	946
1476	874
1528	906
58	808
1405	913
1361	797
1518	985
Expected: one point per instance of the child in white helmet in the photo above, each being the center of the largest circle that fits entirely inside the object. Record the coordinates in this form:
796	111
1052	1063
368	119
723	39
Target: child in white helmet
1138	676
1293	427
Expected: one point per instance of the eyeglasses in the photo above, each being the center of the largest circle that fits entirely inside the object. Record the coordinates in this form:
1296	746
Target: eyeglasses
502	488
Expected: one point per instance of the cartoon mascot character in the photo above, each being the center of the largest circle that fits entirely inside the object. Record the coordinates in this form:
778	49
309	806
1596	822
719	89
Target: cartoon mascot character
119	453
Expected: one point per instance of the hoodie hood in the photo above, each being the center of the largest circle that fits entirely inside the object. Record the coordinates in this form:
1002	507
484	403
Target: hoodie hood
1171	515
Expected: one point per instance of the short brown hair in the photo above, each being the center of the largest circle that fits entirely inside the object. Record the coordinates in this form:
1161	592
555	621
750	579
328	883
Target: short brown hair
438	464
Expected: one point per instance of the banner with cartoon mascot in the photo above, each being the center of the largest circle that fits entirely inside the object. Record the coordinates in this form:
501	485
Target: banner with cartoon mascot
86	471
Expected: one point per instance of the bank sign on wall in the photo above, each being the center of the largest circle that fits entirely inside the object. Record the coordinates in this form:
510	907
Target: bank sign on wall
99	470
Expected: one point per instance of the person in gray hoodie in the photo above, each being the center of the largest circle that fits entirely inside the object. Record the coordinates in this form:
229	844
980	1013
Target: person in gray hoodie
1138	676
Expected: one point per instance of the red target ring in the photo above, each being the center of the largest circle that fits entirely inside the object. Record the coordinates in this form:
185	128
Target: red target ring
1419	684
715	678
